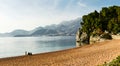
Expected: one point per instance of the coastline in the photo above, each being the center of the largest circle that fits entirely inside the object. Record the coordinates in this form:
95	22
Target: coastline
89	55
38	53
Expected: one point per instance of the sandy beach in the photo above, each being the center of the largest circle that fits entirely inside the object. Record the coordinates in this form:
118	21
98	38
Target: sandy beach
89	55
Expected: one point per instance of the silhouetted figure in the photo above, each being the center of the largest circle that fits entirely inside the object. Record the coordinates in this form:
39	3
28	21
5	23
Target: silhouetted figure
25	52
29	53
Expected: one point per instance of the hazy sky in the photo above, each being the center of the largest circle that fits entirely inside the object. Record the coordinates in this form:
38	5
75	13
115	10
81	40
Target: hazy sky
28	14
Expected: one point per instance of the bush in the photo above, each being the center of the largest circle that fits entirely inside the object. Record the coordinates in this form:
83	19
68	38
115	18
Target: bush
115	62
106	36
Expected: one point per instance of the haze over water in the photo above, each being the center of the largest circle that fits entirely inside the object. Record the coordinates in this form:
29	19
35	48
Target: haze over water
15	46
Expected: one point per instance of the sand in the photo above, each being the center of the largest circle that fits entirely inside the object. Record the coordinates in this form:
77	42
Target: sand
89	55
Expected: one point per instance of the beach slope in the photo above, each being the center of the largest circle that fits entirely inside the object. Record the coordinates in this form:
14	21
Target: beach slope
89	55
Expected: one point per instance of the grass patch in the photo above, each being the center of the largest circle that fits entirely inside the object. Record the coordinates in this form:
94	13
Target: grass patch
114	62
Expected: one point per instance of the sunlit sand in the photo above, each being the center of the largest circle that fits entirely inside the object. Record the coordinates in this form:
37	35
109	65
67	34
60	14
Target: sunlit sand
90	55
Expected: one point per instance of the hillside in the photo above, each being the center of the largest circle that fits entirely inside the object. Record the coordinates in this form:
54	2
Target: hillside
64	28
101	24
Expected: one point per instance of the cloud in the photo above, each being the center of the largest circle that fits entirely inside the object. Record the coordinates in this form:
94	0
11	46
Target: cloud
82	4
28	14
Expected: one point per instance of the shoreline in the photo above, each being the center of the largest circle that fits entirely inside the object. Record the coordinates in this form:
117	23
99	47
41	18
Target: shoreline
39	53
88	55
48	52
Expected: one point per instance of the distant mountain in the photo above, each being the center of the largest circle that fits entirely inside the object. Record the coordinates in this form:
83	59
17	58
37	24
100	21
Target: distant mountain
64	28
19	32
5	35
44	32
14	33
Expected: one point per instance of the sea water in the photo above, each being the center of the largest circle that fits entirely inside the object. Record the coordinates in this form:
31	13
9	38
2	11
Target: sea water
16	46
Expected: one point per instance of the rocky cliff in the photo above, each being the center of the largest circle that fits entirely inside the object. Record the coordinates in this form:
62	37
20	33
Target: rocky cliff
81	38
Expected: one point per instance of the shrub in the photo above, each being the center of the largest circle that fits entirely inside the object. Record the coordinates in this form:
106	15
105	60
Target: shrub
106	36
115	62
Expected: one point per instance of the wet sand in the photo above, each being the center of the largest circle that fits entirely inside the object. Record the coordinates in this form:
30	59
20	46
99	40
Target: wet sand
89	55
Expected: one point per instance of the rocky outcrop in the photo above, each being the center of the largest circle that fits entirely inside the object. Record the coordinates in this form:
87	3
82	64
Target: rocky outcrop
78	43
81	38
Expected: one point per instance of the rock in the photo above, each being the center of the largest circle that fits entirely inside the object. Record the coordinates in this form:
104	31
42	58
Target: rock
81	38
77	39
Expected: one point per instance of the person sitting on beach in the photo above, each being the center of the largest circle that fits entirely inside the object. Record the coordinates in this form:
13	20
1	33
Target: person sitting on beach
28	53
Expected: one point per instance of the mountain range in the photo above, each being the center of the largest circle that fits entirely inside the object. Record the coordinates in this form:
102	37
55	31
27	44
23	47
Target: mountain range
65	28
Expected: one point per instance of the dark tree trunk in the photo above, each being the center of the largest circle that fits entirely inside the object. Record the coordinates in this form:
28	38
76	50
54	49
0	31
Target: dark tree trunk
88	38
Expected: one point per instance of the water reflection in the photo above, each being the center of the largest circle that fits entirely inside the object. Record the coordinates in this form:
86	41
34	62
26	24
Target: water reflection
12	46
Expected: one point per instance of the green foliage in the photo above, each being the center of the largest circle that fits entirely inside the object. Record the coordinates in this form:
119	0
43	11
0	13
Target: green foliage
108	19
106	36
90	22
115	62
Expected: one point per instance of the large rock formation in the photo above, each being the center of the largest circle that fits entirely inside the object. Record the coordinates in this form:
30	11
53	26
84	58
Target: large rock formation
81	38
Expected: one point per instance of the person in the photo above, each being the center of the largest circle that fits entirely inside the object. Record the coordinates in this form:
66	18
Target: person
29	53
25	52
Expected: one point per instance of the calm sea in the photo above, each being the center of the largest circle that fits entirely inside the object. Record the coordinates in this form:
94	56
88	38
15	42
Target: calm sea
15	46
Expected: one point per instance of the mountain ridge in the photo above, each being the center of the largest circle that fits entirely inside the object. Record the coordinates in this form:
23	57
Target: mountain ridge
64	28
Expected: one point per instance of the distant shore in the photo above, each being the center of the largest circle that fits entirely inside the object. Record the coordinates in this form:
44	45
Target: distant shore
89	55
